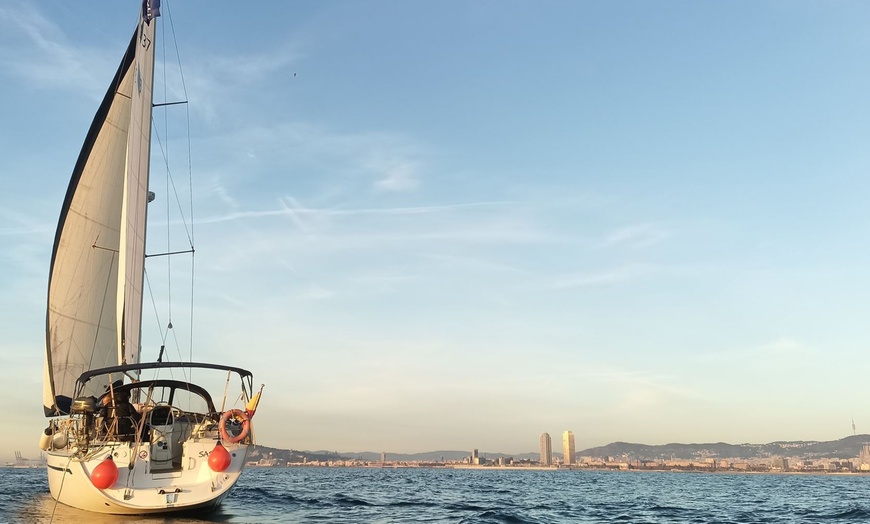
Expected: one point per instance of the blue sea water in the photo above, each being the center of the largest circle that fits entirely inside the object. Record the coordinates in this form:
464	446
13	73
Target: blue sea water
360	495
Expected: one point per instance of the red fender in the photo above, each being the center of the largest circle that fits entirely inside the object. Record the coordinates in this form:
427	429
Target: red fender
219	459
105	474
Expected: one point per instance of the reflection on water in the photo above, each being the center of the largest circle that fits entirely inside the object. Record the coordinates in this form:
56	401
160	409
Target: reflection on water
40	508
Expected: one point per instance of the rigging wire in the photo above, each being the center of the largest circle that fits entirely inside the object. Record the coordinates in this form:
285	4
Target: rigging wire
173	190
166	157
188	228
154	305
189	175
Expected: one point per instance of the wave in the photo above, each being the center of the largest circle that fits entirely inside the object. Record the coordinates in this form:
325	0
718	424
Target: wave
354	496
498	517
855	514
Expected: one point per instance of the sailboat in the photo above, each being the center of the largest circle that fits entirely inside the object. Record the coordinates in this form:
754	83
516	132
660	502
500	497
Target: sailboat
126	436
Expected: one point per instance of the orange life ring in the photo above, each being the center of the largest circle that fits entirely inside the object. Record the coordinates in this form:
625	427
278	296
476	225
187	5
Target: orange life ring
235	414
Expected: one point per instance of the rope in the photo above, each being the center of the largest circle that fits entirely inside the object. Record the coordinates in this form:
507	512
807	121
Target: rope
60	490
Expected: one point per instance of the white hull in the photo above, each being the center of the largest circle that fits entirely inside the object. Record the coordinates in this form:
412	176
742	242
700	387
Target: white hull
139	490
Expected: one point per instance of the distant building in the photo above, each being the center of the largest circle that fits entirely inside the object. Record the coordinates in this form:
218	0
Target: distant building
779	464
546	450
568	447
475	457
383	456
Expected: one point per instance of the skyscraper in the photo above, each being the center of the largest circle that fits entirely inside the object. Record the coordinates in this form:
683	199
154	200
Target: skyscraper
546	450
568	447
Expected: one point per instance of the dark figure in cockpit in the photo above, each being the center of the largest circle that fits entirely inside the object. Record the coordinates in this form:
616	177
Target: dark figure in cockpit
122	412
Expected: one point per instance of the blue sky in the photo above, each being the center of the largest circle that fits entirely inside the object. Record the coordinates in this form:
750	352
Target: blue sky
449	225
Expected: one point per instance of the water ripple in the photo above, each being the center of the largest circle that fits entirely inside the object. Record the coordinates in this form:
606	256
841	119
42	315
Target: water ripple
355	496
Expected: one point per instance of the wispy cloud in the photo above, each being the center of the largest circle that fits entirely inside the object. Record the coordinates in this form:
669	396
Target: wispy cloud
251	68
600	278
636	389
337	164
315	292
17	223
295	211
213	79
478	264
46	58
637	236
396	174
219	189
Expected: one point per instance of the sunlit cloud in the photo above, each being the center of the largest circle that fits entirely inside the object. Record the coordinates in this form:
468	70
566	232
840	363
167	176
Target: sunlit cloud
785	346
771	351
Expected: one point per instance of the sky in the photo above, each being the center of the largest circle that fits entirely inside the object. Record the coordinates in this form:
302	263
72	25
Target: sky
455	225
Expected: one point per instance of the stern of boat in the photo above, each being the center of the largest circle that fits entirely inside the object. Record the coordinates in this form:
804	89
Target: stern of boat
143	486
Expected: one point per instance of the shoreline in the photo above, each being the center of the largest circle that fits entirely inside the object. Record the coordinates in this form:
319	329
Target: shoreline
560	469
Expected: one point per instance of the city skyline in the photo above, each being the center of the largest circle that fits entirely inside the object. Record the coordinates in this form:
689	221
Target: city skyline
476	456
413	219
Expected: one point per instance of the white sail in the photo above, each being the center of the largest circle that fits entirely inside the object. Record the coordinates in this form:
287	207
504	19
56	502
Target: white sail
95	281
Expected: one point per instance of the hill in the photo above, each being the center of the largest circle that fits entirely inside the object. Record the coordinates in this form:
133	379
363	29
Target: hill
847	447
295	456
844	448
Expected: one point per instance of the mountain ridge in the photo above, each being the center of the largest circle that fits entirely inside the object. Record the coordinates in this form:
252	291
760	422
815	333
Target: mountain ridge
846	447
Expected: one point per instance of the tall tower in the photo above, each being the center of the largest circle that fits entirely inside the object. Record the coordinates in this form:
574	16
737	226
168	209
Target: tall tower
568	447
546	450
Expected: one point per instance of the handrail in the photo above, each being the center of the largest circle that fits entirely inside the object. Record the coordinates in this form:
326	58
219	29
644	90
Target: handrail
87	375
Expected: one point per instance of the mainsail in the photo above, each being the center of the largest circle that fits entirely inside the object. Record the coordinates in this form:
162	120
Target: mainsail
97	265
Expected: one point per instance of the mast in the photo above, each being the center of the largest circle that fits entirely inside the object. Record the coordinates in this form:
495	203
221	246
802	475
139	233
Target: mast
134	211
